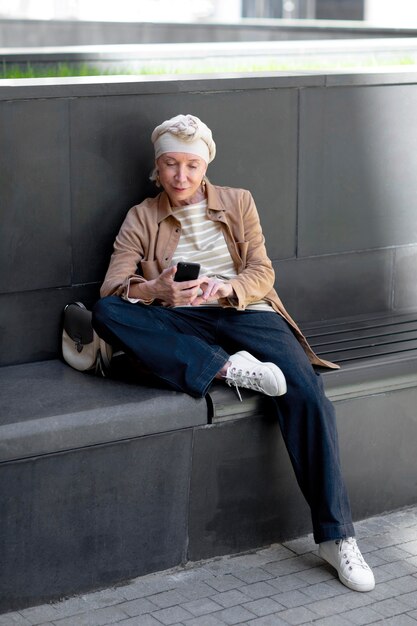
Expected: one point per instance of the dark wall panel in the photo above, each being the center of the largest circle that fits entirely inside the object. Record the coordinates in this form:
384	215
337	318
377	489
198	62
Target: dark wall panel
112	157
30	322
358	161
250	492
334	286
377	439
34	195
110	163
256	136
405	294
85	519
72	167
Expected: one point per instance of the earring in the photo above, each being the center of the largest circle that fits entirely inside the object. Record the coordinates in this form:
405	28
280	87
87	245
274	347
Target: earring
203	185
157	181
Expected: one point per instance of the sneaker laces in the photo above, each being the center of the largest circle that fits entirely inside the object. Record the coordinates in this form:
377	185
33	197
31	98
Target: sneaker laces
349	551
238	378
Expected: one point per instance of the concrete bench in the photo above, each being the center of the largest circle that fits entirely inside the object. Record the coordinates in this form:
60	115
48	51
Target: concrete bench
103	480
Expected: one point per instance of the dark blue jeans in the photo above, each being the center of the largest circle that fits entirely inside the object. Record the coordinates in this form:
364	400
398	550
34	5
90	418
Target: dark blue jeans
187	346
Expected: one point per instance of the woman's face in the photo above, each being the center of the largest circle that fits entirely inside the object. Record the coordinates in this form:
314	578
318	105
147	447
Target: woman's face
181	174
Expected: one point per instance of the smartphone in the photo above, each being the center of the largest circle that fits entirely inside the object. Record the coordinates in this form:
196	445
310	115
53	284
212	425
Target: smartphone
187	271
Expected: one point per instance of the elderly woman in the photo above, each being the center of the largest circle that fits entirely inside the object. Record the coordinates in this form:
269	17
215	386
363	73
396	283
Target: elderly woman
227	324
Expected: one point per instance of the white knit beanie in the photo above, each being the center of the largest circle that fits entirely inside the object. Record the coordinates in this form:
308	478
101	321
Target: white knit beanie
184	133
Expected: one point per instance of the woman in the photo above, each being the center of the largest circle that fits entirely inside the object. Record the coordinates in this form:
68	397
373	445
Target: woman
227	324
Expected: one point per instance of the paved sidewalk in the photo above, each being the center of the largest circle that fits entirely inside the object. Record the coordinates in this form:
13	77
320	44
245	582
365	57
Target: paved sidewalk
279	585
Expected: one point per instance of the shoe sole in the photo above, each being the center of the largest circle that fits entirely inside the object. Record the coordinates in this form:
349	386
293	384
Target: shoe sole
350	585
282	383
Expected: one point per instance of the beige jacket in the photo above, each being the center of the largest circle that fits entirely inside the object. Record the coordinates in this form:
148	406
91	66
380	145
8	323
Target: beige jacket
150	234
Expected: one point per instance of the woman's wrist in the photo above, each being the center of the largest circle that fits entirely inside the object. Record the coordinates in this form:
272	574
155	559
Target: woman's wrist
141	291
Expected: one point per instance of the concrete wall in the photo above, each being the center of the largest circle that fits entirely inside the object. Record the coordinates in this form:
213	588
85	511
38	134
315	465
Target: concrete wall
331	162
69	33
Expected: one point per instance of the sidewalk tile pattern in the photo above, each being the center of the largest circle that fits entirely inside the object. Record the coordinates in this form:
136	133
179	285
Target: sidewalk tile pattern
283	584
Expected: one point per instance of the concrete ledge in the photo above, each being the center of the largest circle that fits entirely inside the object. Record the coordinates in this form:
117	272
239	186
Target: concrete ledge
87	86
47	407
375	376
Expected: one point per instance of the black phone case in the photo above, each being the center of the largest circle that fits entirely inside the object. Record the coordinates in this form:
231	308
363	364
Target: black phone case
187	271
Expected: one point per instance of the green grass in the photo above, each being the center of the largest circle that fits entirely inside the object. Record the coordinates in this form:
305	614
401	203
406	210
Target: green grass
61	70
65	70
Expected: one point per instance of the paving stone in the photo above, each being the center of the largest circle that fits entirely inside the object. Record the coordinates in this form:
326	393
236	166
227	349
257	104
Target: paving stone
172	615
398	569
224	582
374	560
75	606
40	614
288	583
230	598
166	599
252	560
406	534
335	620
382	541
107	597
302	545
322	591
138	607
252	574
413	561
204	620
137	589
294	565
363	615
275	552
317	574
235	615
263	606
202	606
400	620
145	620
335	584
258	590
291	599
392	554
344	602
299	615
391	607
97	617
404	584
383	591
14	619
192	591
410	546
267	620
410	599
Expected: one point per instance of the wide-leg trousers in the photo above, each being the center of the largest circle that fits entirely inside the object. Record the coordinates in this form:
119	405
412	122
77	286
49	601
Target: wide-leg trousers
187	346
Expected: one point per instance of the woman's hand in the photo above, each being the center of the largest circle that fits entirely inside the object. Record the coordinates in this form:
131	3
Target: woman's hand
165	289
212	289
171	293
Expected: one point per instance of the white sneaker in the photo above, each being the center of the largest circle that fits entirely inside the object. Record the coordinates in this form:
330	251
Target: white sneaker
246	371
346	557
